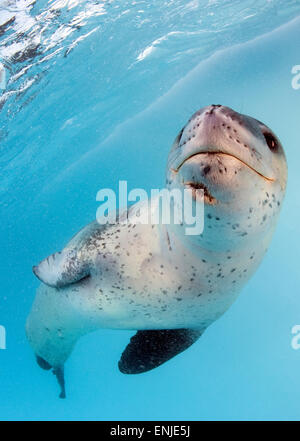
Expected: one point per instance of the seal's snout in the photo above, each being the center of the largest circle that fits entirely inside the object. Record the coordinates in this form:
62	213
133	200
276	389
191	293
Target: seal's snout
223	118
212	108
217	129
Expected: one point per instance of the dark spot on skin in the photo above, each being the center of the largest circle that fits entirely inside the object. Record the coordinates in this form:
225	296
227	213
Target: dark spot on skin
206	170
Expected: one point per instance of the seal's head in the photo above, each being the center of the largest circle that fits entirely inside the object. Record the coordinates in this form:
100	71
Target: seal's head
241	166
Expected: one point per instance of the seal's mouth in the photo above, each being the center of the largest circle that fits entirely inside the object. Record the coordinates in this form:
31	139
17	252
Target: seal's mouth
194	186
208	171
220	153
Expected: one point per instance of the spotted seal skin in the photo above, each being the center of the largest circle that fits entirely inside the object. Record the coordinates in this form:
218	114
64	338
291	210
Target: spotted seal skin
155	279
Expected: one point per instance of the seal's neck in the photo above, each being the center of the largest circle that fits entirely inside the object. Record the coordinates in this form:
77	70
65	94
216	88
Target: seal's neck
211	242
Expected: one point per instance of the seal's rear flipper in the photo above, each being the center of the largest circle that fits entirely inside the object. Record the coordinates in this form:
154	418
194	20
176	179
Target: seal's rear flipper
58	372
43	363
61	269
149	349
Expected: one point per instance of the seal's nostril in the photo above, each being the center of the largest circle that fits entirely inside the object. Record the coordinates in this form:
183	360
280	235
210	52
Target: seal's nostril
211	111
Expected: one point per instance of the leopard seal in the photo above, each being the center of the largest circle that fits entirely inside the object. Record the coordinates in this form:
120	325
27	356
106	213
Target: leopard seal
155	279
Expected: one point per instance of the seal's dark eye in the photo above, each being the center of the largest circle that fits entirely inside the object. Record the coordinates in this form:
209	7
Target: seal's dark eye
180	135
271	141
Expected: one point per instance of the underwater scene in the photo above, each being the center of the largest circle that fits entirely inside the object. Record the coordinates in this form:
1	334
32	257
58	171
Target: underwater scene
138	317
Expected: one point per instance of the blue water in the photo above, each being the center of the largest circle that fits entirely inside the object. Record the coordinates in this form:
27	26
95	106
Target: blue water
96	92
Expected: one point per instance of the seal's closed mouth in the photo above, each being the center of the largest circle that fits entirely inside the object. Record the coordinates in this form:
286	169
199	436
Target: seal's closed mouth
220	153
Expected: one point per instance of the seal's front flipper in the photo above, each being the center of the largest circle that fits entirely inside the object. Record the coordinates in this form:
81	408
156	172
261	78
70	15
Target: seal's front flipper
149	349
72	264
61	269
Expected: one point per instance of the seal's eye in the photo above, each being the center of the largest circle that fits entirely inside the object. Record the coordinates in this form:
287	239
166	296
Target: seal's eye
271	141
180	135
